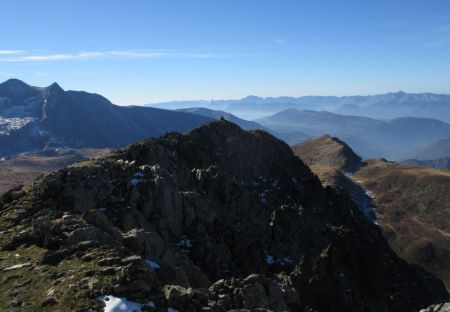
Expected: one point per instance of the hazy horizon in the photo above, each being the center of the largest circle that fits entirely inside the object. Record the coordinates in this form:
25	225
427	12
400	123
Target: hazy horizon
158	51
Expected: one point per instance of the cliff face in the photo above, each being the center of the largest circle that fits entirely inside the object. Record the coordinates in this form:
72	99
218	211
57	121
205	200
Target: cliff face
216	219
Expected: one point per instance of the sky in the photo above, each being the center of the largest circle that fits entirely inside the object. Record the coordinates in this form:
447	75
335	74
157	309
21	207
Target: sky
146	51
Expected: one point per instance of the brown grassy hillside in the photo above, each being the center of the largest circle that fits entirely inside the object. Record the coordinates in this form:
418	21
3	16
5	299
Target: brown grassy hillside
328	151
27	167
412	204
413	208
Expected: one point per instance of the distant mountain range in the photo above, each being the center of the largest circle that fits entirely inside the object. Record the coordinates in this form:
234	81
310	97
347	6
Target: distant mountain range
217	114
33	118
382	106
391	139
441	163
287	135
434	150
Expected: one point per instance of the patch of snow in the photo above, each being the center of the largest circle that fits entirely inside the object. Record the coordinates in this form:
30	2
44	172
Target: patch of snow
116	304
299	208
152	264
172	310
263	196
138	178
186	243
137	181
270	259
9	124
17	266
370	194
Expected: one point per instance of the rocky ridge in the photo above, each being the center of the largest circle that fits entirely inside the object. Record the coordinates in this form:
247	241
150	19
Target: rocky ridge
214	220
411	204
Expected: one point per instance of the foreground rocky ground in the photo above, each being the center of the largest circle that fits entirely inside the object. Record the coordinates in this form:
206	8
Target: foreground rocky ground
214	220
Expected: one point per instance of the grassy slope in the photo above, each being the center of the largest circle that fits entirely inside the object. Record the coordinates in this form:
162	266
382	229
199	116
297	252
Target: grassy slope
27	167
413	206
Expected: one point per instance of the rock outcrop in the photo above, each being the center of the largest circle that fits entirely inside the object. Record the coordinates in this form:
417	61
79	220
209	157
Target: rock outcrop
214	220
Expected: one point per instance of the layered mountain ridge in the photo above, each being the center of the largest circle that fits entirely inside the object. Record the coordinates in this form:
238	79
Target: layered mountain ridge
382	106
213	220
34	118
369	137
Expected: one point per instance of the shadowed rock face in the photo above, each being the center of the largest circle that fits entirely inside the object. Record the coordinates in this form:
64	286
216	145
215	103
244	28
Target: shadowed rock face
33	118
218	218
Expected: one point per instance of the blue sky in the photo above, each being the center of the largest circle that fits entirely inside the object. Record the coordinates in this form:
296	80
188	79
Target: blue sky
136	52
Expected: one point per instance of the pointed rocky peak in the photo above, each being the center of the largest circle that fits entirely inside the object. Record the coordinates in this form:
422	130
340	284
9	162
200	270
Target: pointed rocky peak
330	151
52	93
54	88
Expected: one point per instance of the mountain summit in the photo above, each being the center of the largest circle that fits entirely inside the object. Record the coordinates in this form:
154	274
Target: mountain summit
328	150
32	118
216	219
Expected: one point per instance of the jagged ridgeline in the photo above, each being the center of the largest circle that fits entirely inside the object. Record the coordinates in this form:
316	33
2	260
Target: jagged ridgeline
213	220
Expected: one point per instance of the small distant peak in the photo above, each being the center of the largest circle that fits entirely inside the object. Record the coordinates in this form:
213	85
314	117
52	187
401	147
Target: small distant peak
252	98
398	93
291	110
55	86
